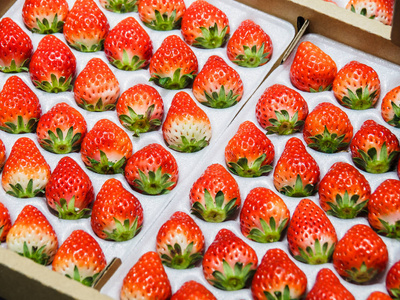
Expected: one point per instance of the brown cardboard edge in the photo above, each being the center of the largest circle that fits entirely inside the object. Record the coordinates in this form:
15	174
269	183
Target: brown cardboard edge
395	35
5	5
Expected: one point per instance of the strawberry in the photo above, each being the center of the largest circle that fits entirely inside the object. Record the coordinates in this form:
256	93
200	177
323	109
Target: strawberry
32	236
215	195
106	148
264	216
381	10
104	88
152	170
379	296
205	25
281	110
229	263
217	85
16	47
249	46
146	279
296	173
312	70
20	108
128	46
120	6
192	290
249	153
360	255
117	214
26	172
357	86
327	129
278	277
53	65
174	65
392	281
180	242
390	108
343	191
2	155
374	148
5	222
62	129
140	109
80	258
70	190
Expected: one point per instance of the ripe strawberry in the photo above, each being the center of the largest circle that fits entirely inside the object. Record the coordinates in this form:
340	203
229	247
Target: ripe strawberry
53	65
2	155
381	10
152	170
218	85
374	148
360	255
281	110
393	281
120	6
357	86
180	242
249	46
104	88
128	46
192	290
278	275
146	279
215	195
70	190
264	216
32	236
379	296
140	109
186	127
249	153
312	70
296	173
20	108
80	258
5	222
26	172
117	214
205	26
174	65
390	108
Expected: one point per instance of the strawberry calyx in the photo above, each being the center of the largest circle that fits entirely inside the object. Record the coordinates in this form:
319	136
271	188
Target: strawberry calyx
270	232
88	281
20	192
360	100
164	22
180	259
99	106
20	127
362	274
321	89
68	211
127	63
59	144
80	46
242	168
13	68
251	57
221	99
123	231
56	85
177	82
319	254
395	293
36	254
278	295
346	207
45	27
233	279
363	12
327	142
122	6
371	163
396	115
390	230
140	123
104	166
283	124
154	183
211	37
189	146
299	190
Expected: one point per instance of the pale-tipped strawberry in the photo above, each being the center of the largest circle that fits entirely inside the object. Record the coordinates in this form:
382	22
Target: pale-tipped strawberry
192	290
32	236
117	214
5	222
217	85
96	88
393	280
381	10
249	153
390	108
152	170
379	296
120	6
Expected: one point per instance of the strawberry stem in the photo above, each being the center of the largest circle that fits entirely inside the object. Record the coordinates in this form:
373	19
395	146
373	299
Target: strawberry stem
242	168
283	124
177	82
38	255
19	191
13	68
104	166
362	274
123	232
164	22
21	127
346	207
221	99
371	162
140	123
268	233
122	6
180	259
189	146
56	85
360	100
211	38
327	142
45	27
251	57
298	190
60	145
154	183
390	230
68	211
233	279
316	255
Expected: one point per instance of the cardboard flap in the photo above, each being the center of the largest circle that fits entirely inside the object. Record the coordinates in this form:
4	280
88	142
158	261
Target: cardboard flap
395	35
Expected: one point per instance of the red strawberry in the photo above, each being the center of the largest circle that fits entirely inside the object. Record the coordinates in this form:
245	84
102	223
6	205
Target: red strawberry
86	27
312	70
16	47
357	86
152	170
80	258
215	195
120	6
174	65
5	222
192	290
62	129
104	88
250	46
379	296
186	127
106	148
146	279
390	108
278	275
140	109
374	148
229	263
180	242
264	216
249	153
32	236
26	172
117	214
204	25
70	190
53	65
218	85
20	108
296	173
2	155
393	281
281	110
128	46
381	10
360	255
